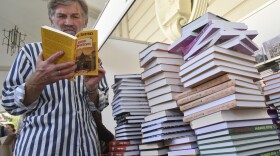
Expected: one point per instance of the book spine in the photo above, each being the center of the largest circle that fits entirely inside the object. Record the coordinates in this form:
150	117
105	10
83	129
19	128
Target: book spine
206	92
116	154
119	143
204	86
224	106
210	98
253	129
117	148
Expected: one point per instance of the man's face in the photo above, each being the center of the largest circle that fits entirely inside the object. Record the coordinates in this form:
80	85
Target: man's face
69	18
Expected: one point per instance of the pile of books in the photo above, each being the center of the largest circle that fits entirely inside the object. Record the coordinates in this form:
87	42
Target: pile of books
162	85
124	148
130	106
271	90
219	75
160	76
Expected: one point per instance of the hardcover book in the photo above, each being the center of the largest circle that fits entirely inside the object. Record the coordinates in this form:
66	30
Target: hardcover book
81	49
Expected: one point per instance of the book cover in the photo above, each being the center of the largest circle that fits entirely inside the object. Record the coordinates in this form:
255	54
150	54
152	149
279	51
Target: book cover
230	115
241	136
218	95
218	88
155	46
161	114
239	130
233	124
248	149
238	143
81	49
244	100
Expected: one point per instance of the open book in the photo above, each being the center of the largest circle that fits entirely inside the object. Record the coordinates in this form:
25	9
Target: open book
81	49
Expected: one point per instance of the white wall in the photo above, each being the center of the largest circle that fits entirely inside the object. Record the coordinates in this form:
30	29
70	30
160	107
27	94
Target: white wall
119	57
266	21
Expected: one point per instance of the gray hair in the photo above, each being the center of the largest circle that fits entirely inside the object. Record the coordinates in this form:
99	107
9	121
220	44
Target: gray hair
54	3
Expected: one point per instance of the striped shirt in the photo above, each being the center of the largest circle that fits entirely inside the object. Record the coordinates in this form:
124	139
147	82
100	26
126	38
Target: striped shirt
59	122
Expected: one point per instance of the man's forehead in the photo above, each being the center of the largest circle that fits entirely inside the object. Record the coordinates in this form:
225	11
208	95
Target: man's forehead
68	9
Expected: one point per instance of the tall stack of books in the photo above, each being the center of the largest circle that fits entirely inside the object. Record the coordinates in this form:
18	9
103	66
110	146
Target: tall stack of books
219	74
162	85
271	90
130	106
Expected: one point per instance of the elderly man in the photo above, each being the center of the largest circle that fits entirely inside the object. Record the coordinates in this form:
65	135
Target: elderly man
58	118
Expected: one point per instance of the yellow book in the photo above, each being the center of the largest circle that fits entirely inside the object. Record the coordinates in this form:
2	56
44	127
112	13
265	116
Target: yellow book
81	49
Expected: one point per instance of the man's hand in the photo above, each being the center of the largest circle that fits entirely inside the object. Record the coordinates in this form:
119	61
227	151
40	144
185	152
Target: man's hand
47	72
92	81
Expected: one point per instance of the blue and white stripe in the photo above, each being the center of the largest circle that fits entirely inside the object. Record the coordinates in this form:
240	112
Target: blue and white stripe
59	122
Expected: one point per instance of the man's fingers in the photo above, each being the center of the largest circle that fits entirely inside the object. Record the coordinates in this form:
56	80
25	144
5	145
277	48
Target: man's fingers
55	56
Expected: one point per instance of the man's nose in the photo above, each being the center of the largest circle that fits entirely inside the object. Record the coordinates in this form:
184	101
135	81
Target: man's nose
69	21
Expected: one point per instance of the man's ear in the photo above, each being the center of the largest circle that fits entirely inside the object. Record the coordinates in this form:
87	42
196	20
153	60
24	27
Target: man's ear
51	21
86	23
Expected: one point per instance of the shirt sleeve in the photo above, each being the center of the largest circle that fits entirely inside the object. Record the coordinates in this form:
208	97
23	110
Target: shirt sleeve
103	97
13	91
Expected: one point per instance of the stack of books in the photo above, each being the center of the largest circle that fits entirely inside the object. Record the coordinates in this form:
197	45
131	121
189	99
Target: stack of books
162	84
219	74
271	91
160	75
130	106
124	148
238	132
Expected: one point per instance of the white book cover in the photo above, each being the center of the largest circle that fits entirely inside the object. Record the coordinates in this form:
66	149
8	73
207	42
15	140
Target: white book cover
129	137
237	137
161	120
242	100
128	134
184	146
162	98
161	83
157	54
216	49
164	131
164	90
127	76
167	61
184	152
164	106
155	46
216	72
153	145
167	136
239	131
166	125
182	140
129	99
159	68
215	32
216	63
127	80
162	151
230	115
232	124
216	56
162	75
163	114
128	130
241	148
238	142
200	22
128	126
